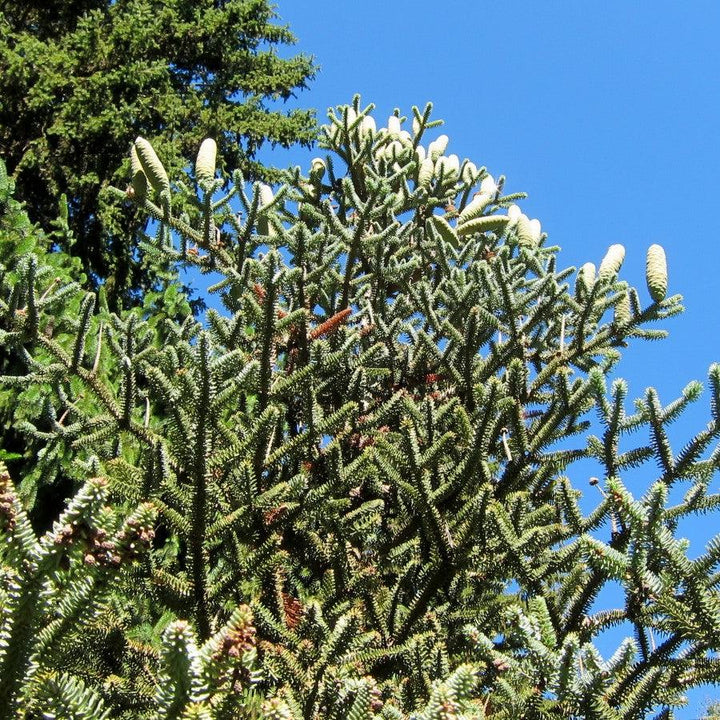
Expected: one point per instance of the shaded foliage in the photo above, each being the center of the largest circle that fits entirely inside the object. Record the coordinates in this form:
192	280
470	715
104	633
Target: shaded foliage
78	79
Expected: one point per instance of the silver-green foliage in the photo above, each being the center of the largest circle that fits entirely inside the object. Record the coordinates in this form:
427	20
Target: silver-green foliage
53	585
372	448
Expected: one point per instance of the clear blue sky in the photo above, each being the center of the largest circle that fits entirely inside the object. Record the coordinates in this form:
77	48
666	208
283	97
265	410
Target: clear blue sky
606	113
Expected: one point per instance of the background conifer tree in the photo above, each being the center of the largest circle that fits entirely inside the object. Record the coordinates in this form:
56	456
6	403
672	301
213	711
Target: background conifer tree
78	79
365	469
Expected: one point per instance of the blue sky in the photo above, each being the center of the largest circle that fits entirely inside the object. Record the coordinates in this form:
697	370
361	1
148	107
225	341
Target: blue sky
607	114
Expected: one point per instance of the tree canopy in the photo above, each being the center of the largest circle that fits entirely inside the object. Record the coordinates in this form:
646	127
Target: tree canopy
360	489
79	79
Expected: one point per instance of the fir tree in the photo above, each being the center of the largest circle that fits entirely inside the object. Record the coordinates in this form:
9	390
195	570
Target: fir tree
77	77
364	468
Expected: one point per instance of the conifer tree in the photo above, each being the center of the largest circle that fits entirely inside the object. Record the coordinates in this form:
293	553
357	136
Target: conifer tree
48	478
77	77
364	467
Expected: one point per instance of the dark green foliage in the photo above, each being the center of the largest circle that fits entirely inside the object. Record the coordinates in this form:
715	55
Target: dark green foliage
364	468
46	468
79	80
60	275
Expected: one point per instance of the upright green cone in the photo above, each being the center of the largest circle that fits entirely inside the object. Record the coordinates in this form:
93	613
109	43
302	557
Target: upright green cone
205	161
152	166
656	272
